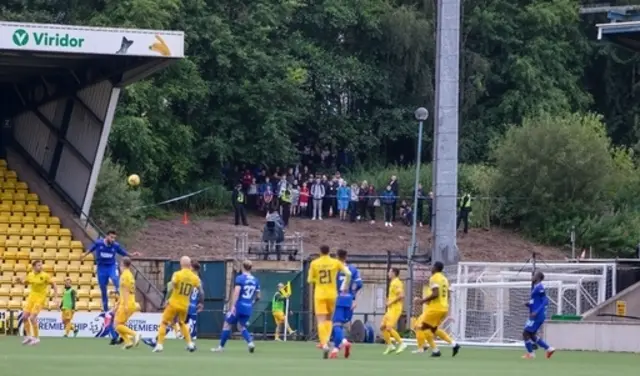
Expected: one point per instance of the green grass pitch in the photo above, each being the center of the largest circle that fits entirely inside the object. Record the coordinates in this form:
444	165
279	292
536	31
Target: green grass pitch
92	357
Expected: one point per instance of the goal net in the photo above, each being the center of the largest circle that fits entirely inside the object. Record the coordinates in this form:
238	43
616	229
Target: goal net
487	300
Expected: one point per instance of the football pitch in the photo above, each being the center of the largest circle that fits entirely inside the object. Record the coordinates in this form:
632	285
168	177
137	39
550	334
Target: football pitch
92	357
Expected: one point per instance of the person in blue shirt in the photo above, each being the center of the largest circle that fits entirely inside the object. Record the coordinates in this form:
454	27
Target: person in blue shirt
245	293
195	305
105	251
345	305
537	314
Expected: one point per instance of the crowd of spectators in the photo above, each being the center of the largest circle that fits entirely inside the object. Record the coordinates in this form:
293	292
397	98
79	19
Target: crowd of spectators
301	193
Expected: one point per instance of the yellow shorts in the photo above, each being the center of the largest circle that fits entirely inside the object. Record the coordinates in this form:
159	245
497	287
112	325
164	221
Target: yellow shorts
67	314
34	304
278	317
172	313
391	318
433	318
121	316
324	306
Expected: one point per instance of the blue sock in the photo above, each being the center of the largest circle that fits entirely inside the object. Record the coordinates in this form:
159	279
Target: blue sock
542	344
105	298
529	346
226	334
338	335
246	335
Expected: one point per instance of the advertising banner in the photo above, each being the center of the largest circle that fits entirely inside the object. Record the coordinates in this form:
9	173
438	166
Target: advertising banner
91	324
90	40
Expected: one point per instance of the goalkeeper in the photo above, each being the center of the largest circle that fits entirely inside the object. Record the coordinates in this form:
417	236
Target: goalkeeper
278	310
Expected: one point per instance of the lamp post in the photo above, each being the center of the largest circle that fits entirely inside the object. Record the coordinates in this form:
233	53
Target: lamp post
421	115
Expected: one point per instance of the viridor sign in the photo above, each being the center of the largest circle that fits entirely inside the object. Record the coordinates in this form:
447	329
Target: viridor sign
90	40
22	37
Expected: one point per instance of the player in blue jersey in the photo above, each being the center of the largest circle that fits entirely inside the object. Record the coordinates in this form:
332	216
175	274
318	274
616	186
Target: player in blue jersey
345	304
105	251
245	293
537	314
195	304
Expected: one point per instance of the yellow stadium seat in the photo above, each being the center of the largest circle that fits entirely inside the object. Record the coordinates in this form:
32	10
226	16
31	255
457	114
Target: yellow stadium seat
10	255
29	222
75	256
17	290
65	234
52	232
5	290
22	186
17	208
30	208
89	257
14	231
59	268
86	268
6	197
58	279
66	244
74	277
95	293
19	202
38	243
3	163
24	253
36	254
5	208
18	215
83	293
47	267
85	280
51	244
73	269
4	304
11	174
19	197
42	221
33	199
52	221
6	277
44	211
30	215
82	305
12	242
14	304
25	242
20	268
95	306
49	254
75	244
62	256
4	219
4	228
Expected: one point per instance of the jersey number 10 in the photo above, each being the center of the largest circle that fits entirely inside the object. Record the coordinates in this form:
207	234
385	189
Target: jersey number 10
185	289
325	277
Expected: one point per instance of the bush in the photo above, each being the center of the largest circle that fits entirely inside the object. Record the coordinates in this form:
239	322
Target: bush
556	172
115	204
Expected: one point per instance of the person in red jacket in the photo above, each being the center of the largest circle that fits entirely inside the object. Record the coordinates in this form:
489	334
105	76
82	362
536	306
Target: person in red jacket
304	198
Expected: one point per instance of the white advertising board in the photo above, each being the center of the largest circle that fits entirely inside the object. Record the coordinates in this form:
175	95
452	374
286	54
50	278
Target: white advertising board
91	324
91	40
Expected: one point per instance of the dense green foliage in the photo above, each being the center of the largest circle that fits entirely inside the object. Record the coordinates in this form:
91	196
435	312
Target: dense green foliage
265	76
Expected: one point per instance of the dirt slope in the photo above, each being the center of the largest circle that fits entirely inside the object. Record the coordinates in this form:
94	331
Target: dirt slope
213	238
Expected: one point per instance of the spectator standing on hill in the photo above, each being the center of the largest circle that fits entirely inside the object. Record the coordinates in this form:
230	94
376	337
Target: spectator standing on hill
362	200
295	198
372	203
331	198
267	195
396	190
238	200
285	205
388	201
304	199
247	178
463	212
317	193
344	196
421	198
310	182
252	194
353	202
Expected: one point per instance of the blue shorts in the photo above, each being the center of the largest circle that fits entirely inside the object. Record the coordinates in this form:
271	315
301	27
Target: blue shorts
342	315
106	273
343	205
233	319
532	326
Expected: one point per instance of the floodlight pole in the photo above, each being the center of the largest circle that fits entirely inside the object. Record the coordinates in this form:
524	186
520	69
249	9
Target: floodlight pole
421	115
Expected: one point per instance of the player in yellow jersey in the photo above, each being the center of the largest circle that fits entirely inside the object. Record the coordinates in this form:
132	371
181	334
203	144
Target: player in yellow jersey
183	283
395	301
38	281
126	306
323	275
435	311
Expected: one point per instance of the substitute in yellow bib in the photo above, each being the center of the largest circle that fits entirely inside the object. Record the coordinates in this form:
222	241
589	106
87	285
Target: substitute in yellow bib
127	305
183	283
38	281
323	275
395	301
435	311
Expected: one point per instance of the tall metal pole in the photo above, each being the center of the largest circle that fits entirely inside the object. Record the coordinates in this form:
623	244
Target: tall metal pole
421	115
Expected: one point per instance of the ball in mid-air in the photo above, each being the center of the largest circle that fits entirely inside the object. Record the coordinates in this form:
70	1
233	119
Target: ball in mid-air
133	180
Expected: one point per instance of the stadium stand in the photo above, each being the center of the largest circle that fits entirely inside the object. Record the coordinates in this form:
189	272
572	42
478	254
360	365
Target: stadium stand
29	232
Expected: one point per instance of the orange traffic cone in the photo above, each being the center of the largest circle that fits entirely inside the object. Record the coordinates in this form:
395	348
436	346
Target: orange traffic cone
185	218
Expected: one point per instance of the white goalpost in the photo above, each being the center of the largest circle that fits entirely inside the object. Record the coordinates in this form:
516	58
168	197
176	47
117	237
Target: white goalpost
487	300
